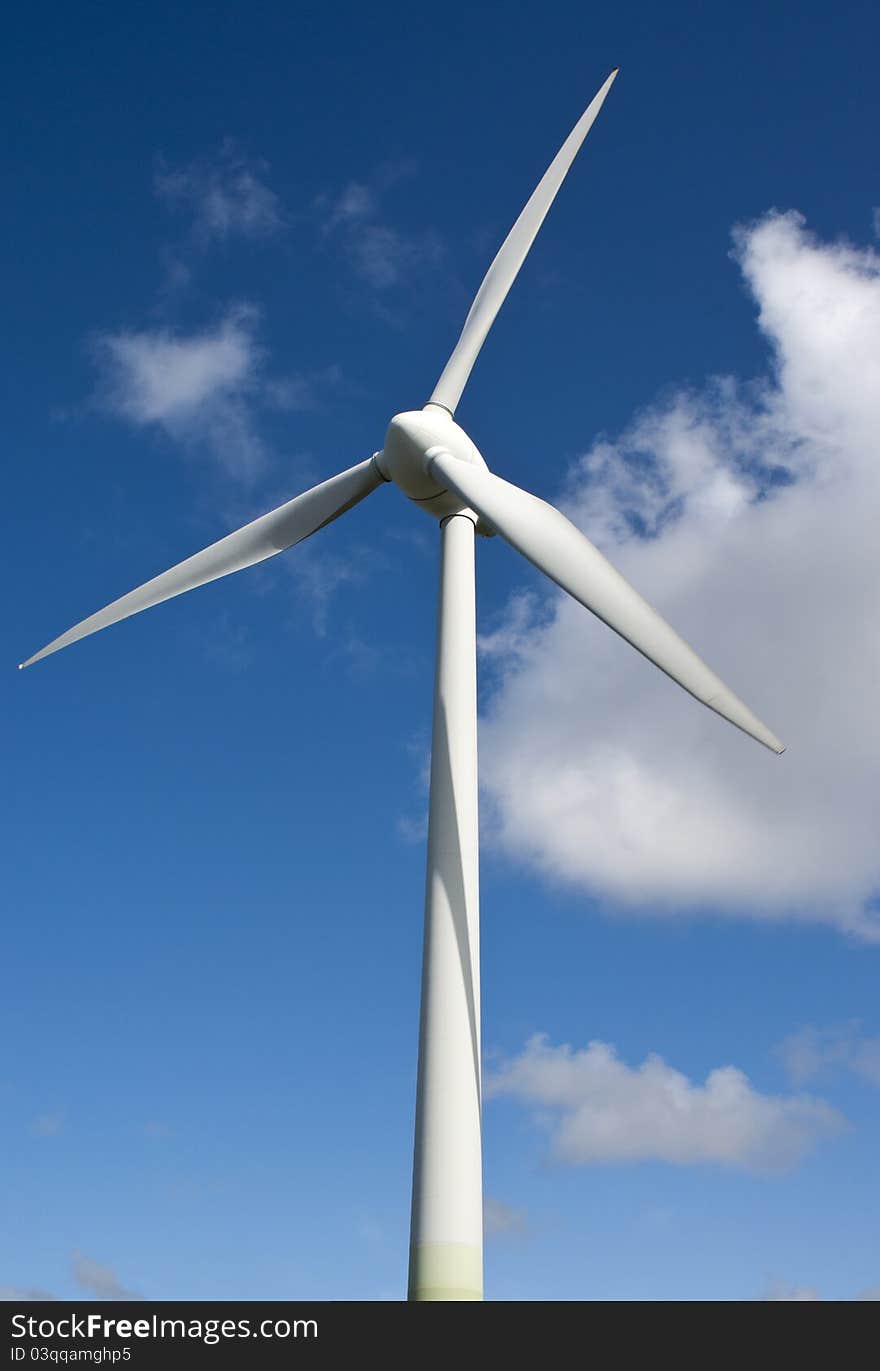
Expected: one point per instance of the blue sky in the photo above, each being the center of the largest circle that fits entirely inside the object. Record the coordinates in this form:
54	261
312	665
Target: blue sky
238	241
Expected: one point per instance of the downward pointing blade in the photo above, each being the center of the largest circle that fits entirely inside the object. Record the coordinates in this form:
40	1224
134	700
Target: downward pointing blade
264	537
557	548
503	271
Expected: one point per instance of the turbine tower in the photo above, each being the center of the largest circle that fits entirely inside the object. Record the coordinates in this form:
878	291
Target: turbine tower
434	462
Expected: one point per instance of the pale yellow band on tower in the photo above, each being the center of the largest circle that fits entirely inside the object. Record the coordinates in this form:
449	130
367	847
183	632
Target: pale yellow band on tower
445	1271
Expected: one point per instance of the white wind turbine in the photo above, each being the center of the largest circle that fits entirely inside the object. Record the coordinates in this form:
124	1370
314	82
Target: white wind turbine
437	466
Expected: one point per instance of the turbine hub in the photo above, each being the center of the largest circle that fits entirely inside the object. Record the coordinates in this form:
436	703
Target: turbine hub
410	437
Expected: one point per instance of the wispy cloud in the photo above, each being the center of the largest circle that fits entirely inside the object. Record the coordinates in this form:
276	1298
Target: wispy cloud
354	204
380	253
598	1109
303	391
226	195
158	1131
319	576
746	512
165	379
512	634
23	1294
197	388
412	827
813	1052
47	1125
99	1280
784	1291
208	389
502	1221
205	390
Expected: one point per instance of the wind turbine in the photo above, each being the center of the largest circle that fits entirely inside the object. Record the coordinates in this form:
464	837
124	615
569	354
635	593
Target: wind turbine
434	462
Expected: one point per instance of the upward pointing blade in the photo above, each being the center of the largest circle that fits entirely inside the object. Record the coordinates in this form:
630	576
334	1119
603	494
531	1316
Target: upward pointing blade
271	533
561	551
503	271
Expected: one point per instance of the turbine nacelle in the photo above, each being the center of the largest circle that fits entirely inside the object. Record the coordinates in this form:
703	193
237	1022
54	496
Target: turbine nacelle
406	459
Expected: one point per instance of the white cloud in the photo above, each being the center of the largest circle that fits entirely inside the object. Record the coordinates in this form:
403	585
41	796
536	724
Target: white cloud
819	1051
196	387
205	389
170	378
747	514
99	1280
227	195
598	1110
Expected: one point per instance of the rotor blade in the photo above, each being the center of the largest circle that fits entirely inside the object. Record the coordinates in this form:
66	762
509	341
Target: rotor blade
561	551
264	537
503	271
